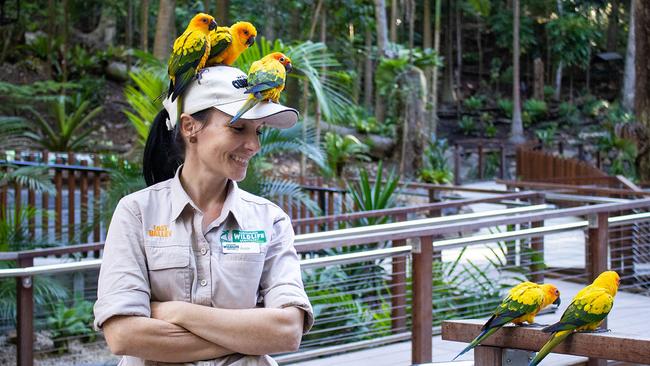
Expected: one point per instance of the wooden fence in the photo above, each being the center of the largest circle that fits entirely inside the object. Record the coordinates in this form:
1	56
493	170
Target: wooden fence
535	165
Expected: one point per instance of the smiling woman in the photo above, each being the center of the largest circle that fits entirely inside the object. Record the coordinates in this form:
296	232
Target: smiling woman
196	269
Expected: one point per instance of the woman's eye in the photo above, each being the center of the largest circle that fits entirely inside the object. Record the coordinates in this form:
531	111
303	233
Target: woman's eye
238	129
258	132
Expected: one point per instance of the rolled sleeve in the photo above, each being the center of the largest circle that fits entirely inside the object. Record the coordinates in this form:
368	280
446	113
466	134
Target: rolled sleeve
123	285
281	283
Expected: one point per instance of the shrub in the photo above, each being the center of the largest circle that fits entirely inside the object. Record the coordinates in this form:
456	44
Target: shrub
467	125
474	103
505	105
536	109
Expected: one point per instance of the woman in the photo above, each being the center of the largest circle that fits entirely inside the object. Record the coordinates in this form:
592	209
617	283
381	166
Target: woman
194	268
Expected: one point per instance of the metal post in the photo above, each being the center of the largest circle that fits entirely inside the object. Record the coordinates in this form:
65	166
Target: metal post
421	351
25	316
503	168
537	249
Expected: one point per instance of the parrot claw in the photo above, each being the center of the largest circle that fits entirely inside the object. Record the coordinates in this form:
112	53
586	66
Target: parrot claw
199	75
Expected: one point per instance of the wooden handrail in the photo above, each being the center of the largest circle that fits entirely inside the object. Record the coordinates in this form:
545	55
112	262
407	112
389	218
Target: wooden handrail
610	346
571	187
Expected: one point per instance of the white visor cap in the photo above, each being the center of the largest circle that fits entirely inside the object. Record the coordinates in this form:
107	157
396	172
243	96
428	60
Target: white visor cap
223	87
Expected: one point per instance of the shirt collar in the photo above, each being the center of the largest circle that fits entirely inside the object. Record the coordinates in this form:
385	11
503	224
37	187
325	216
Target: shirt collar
180	199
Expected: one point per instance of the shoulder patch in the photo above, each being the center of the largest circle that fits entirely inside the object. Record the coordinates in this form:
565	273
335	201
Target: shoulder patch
240	82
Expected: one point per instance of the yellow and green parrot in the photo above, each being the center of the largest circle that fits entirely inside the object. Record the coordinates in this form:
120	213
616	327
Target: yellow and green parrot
227	43
523	302
189	54
585	313
266	78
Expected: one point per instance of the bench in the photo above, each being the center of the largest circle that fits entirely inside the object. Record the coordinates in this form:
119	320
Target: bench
613	346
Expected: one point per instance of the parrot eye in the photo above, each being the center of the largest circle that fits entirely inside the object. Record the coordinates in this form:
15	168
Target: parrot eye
246	32
281	59
557	293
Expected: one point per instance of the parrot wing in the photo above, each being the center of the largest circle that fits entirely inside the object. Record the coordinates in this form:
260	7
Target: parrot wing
588	309
265	75
522	299
220	39
189	50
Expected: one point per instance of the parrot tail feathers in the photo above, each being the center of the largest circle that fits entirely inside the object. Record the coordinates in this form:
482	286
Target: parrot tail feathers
250	103
556	339
480	338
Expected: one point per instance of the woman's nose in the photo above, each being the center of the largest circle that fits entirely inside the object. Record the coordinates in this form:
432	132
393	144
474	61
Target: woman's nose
252	142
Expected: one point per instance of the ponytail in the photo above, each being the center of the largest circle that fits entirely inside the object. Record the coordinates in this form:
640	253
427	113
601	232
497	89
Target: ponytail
162	152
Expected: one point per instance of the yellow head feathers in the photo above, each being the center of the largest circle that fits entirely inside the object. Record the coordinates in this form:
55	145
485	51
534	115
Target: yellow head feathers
244	33
203	22
608	280
551	294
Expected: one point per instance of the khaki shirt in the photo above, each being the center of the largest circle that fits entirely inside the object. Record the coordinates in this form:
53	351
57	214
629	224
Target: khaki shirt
156	250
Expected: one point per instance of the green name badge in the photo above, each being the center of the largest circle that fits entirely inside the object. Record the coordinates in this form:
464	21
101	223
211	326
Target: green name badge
249	236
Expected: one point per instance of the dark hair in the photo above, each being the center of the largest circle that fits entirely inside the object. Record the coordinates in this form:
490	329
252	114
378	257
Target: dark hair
164	151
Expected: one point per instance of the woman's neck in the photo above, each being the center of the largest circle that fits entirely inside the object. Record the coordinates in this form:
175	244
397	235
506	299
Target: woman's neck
207	191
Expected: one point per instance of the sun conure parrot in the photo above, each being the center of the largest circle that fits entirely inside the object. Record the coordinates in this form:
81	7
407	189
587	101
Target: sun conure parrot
266	78
227	43
189	54
585	313
523	302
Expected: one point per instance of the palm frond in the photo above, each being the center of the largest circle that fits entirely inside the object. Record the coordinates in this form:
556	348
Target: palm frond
35	178
281	189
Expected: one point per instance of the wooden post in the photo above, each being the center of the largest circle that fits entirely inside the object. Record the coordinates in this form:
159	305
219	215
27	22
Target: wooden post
537	256
3	191
31	202
58	201
421	351
598	235
25	315
480	161
71	192
457	157
488	356
398	287
560	148
18	199
503	168
45	203
96	204
83	203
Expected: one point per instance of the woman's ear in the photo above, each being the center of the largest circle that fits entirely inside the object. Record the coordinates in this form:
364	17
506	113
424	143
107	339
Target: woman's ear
189	125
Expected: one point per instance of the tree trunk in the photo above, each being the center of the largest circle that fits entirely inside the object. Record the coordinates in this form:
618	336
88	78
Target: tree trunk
433	126
538	83
323	38
642	97
612	27
144	25
64	42
412	136
558	71
129	32
382	28
206	6
447	82
382	46
368	72
517	130
459	51
479	46
426	25
162	43
269	8
394	16
51	29
221	12
629	78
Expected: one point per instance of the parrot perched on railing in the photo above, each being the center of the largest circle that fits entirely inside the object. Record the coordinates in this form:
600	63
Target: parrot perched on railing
189	54
266	78
227	43
522	304
585	313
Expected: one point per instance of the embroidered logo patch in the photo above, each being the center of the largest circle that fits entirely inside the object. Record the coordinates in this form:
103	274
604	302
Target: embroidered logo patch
244	236
160	231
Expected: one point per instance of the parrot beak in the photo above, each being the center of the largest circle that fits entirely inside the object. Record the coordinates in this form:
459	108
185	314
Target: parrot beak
250	41
288	67
557	302
212	25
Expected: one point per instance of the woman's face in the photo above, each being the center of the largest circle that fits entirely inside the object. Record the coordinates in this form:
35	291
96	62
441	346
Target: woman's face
224	149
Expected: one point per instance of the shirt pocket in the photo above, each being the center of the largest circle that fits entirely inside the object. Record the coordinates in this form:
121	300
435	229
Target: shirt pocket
169	271
239	277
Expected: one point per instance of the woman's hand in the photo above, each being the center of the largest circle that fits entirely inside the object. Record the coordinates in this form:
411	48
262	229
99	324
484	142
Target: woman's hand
165	311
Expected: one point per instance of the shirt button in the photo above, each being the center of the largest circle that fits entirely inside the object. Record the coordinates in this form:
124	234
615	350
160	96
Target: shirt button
204	282
203	251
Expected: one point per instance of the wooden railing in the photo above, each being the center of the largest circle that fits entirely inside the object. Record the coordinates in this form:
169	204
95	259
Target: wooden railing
421	264
598	346
534	165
